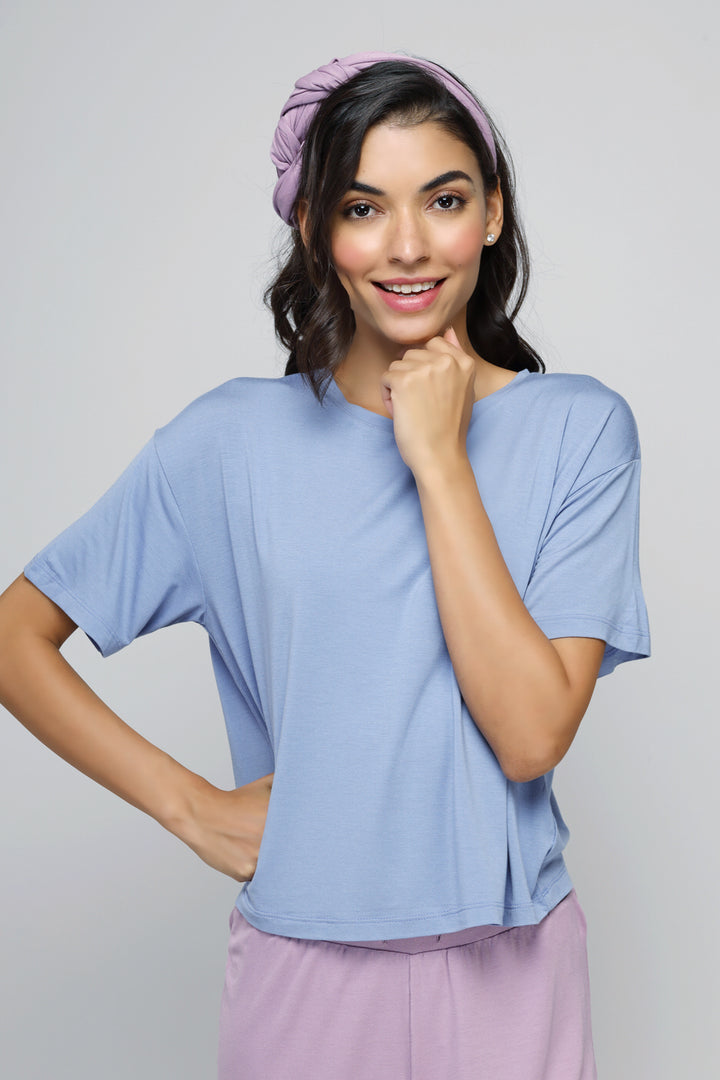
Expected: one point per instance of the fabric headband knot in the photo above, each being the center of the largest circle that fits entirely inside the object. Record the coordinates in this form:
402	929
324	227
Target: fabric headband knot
300	108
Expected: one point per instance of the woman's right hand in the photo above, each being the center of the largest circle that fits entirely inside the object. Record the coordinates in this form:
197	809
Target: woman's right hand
225	827
47	695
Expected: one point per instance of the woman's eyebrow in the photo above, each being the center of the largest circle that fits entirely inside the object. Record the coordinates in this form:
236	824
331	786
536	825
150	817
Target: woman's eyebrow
444	178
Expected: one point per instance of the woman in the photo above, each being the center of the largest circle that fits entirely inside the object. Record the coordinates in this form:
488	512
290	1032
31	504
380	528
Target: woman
413	555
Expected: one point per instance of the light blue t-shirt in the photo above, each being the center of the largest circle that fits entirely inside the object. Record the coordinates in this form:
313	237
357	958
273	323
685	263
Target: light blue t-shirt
292	531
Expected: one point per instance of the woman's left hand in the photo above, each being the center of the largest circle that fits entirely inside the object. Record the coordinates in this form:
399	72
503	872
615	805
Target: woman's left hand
430	394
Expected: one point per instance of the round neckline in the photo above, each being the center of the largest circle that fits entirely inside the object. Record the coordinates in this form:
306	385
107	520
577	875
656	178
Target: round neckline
377	420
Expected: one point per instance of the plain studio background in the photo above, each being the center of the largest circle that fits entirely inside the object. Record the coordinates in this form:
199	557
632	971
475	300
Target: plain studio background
136	238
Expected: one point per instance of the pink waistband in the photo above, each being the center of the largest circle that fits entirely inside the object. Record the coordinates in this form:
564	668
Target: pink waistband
431	942
445	941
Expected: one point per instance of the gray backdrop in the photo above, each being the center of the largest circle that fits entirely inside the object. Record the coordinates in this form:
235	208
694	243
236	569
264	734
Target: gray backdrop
137	235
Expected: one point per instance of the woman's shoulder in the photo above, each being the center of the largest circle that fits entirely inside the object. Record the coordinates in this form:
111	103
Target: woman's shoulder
242	394
228	409
586	408
571	387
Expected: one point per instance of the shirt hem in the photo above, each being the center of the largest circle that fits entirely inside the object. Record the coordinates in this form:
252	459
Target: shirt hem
387	928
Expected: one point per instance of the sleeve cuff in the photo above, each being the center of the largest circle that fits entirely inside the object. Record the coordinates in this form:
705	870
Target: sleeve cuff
103	638
622	643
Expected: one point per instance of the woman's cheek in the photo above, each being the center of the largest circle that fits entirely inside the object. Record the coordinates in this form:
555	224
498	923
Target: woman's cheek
466	247
350	255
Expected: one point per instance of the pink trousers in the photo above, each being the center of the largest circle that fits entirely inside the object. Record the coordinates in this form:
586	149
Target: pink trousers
490	1003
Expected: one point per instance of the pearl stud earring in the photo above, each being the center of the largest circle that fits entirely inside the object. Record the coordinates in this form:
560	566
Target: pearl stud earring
490	237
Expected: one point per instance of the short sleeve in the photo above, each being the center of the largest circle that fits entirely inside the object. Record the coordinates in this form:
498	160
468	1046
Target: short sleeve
127	566
586	578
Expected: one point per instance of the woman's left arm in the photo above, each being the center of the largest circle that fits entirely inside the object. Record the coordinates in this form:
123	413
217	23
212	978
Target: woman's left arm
526	693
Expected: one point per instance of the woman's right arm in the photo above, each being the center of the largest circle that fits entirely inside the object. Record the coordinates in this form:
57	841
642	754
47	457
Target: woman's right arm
51	700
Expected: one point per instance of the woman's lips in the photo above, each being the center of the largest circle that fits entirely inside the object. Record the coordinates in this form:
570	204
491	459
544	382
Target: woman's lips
409	301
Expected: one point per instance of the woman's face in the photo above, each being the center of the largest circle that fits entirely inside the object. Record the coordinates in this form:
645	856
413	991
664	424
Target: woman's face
416	213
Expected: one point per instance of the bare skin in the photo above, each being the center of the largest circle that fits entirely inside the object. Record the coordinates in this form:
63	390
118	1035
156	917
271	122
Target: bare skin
48	696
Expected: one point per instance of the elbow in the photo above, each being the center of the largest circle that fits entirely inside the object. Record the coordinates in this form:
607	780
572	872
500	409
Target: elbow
530	762
529	742
523	775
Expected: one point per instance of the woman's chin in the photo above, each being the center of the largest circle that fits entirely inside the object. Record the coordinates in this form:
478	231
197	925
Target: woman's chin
407	337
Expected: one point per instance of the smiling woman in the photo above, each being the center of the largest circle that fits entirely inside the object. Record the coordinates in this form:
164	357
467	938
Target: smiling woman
394	108
413	555
414	250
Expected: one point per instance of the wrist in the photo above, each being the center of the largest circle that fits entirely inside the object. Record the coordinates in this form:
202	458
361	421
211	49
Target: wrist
444	470
182	792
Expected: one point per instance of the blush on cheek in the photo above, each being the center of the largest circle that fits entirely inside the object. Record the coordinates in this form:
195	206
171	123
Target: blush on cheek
349	256
467	246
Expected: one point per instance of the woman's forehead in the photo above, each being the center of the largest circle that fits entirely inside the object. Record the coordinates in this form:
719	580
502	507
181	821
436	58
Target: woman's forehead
393	151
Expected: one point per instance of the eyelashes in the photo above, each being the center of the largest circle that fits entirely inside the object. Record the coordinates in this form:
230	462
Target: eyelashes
349	211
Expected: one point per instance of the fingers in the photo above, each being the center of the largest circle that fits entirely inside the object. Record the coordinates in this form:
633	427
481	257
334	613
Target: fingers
446	344
229	827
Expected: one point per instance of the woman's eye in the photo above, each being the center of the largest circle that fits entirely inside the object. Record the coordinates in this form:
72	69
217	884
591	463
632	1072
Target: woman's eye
361	211
358	210
446	199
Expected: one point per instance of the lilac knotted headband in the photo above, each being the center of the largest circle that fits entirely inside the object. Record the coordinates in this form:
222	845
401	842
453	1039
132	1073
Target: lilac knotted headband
299	110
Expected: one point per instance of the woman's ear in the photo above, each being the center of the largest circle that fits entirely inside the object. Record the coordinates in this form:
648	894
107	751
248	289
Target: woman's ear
494	211
301	214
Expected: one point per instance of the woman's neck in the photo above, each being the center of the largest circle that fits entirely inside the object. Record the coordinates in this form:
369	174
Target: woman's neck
359	374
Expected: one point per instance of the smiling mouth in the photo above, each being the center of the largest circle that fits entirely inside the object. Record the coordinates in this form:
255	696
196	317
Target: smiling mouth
406	290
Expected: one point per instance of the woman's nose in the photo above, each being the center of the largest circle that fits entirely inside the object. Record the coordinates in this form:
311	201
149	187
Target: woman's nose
408	241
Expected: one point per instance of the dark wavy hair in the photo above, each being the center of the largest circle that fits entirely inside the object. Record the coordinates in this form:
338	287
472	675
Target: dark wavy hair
313	317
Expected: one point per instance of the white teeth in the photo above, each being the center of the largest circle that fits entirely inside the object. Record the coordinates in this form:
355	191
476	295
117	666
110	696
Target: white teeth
421	286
